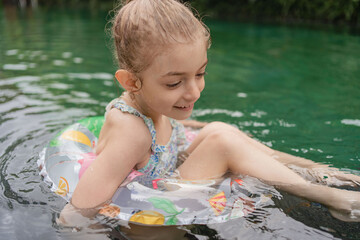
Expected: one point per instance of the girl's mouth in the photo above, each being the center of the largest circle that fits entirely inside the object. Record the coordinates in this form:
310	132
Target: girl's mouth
185	108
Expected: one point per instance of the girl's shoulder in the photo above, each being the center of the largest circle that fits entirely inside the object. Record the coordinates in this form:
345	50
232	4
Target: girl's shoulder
127	125
125	129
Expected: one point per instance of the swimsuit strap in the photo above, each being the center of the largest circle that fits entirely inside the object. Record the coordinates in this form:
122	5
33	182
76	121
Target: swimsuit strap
175	124
120	104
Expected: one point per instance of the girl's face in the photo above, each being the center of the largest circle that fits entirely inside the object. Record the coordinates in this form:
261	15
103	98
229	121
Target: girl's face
174	81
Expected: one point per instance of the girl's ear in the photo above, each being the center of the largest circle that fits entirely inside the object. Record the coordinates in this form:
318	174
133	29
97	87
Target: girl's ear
127	80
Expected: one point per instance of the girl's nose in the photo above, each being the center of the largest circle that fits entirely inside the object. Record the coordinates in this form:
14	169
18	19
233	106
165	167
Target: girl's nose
193	91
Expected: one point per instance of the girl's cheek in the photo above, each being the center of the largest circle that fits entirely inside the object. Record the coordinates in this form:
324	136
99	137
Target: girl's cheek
202	85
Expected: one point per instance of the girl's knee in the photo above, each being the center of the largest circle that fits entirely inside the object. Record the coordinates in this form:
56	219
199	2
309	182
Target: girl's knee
220	126
224	140
223	127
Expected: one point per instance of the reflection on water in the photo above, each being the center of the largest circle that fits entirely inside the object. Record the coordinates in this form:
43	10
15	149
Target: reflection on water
294	89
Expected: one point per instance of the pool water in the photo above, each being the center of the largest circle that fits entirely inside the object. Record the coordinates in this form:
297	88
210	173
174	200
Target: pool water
295	89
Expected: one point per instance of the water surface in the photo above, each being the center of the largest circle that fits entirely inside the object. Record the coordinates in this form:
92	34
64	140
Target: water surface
295	89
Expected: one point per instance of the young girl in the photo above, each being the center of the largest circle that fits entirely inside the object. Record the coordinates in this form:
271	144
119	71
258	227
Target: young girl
161	48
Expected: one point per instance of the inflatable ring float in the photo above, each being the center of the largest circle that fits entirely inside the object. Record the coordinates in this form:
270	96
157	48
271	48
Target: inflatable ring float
168	201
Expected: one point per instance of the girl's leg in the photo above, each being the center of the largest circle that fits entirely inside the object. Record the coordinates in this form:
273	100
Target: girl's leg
215	153
316	172
220	126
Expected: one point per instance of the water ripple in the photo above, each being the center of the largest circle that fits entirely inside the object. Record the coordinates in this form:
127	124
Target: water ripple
354	122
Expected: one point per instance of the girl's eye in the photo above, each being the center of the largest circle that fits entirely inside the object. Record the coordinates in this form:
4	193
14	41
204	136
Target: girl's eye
172	85
201	74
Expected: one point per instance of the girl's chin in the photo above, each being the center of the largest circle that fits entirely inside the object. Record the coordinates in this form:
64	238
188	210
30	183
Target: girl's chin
181	115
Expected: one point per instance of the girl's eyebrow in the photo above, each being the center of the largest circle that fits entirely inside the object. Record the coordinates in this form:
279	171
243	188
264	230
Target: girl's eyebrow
182	73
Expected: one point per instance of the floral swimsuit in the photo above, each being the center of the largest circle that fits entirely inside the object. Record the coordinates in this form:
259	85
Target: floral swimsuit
163	159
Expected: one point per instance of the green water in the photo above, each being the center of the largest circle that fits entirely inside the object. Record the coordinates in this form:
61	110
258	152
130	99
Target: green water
300	85
295	89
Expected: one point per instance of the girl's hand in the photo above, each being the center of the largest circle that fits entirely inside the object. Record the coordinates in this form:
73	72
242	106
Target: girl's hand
73	217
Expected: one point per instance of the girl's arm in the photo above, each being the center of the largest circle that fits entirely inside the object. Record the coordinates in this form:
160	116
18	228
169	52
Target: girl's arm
121	149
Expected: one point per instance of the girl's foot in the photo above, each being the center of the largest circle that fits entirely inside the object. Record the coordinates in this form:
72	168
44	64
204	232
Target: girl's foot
349	209
342	204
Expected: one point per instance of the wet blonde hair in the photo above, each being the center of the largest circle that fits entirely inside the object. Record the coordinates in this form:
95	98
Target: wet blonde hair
142	29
